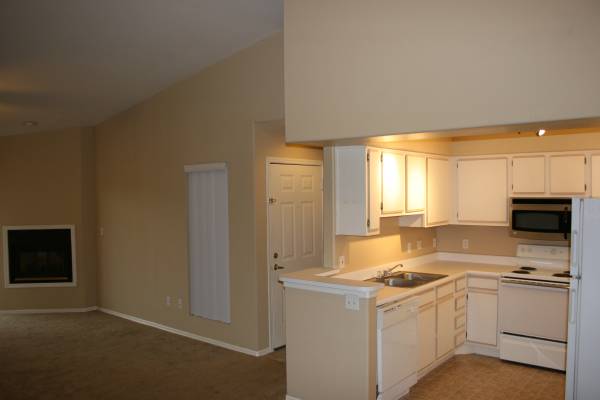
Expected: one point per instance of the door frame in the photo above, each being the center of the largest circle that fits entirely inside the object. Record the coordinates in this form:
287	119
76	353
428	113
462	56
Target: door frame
284	161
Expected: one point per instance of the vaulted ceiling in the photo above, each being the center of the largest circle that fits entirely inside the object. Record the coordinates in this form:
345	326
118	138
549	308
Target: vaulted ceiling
70	63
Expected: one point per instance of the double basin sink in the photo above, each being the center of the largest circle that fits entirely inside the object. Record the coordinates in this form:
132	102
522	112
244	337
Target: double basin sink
407	279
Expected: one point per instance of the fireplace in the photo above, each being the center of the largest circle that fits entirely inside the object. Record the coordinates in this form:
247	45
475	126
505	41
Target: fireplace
39	256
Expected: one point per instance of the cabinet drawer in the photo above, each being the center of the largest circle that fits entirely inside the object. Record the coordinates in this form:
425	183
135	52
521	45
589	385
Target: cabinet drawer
460	321
445	290
427	297
460	284
483	283
460	303
460	338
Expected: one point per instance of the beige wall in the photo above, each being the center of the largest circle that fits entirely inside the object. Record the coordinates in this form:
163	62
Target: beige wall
321	334
142	191
364	69
269	141
48	179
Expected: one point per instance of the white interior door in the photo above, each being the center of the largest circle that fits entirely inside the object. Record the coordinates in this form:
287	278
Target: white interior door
295	213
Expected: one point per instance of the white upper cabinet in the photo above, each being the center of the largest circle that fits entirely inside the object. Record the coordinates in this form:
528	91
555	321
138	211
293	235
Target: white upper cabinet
438	191
357	190
529	175
482	190
567	174
392	183
595	160
416	178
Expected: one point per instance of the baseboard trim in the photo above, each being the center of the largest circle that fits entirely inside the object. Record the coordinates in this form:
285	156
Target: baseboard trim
434	365
188	335
288	397
50	310
477	348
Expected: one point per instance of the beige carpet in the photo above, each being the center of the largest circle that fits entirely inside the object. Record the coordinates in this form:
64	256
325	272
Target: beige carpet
97	356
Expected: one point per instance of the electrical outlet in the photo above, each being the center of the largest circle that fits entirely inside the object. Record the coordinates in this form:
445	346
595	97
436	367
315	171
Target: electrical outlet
409	247
168	301
434	243
419	245
341	262
179	303
465	244
352	302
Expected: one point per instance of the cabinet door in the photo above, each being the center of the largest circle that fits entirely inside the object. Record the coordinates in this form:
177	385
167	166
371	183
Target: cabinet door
427	340
596	175
438	191
567	174
374	190
482	317
529	175
482	190
357	190
392	183
416	178
445	326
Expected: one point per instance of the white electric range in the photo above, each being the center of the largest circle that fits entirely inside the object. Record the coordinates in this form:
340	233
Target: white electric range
534	302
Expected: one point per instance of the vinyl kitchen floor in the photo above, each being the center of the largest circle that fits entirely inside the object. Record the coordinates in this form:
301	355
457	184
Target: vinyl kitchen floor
467	377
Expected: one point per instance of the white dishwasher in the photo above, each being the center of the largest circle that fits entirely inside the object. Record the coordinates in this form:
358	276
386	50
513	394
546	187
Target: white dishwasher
397	350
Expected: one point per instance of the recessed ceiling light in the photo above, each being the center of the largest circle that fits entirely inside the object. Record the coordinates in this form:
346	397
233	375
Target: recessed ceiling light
30	123
541	132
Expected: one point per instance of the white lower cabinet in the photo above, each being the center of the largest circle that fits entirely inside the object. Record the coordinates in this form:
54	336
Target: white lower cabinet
445	326
427	336
482	317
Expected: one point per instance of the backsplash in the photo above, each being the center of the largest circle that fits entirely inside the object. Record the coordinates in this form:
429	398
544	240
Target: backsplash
486	240
389	246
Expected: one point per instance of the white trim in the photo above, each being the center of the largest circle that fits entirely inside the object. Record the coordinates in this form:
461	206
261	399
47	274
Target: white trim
255	353
9	285
288	397
294	161
205	167
49	310
363	292
268	163
477	348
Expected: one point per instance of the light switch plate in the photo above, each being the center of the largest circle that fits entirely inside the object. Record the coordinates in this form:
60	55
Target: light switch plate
352	302
409	247
465	244
419	245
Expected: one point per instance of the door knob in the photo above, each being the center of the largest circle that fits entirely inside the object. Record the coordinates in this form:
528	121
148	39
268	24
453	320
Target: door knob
278	267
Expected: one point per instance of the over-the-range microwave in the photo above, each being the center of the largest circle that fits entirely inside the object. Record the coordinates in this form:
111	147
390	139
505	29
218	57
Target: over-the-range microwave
543	219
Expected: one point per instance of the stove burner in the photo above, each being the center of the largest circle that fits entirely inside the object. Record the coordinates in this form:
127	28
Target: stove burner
562	275
520	271
528	268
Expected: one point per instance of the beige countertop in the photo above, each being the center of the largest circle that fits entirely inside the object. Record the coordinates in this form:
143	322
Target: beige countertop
387	294
453	269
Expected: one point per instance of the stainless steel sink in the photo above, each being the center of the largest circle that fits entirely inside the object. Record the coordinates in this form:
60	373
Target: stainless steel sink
408	279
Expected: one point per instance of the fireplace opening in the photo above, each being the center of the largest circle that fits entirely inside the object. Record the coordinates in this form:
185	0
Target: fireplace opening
39	255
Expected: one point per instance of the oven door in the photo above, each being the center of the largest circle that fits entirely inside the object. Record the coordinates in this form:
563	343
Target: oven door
547	222
534	309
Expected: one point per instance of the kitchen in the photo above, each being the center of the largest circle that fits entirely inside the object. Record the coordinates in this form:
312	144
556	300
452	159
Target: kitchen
488	258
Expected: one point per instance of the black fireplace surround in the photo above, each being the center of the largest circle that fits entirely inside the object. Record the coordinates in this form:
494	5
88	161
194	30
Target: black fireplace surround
39	256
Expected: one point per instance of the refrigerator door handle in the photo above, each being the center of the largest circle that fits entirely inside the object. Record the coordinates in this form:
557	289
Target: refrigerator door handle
574	253
573	300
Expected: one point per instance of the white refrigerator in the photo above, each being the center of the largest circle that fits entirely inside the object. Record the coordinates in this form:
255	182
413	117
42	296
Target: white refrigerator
583	349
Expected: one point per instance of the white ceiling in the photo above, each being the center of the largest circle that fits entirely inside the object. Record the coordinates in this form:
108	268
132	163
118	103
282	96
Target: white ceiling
70	63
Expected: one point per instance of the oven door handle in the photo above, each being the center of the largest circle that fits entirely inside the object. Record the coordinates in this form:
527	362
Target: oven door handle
545	285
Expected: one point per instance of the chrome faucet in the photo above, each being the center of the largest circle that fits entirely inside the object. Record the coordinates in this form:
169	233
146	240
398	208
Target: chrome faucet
387	272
